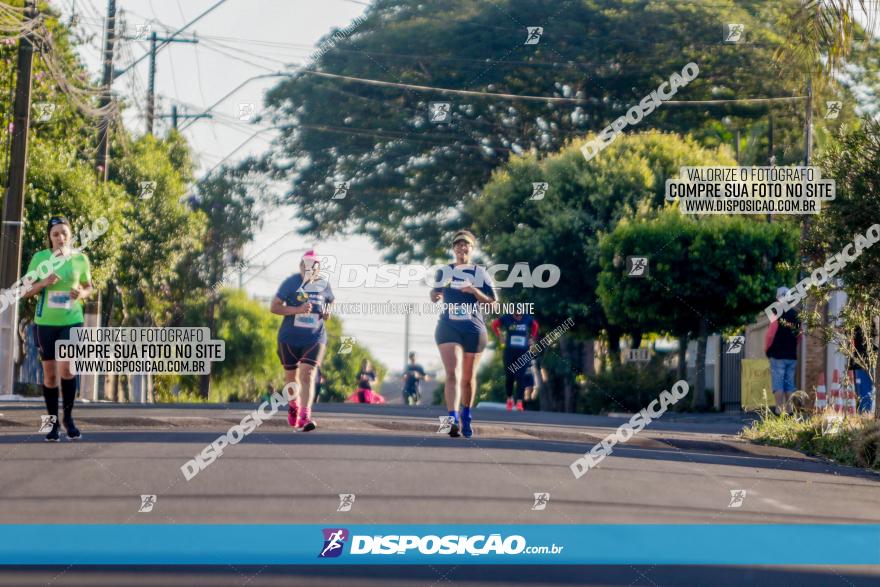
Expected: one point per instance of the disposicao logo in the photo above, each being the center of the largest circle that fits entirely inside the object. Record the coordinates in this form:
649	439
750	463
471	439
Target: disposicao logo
334	540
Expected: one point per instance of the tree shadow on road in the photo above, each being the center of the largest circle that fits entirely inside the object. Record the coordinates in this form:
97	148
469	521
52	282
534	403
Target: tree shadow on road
676	450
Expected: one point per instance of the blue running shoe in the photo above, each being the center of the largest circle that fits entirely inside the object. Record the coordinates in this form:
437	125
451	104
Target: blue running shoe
466	429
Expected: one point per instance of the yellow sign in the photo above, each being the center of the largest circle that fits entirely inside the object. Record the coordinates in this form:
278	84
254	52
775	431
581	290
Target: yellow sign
757	390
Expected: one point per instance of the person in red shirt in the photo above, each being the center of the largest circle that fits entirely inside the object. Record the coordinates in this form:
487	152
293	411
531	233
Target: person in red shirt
516	333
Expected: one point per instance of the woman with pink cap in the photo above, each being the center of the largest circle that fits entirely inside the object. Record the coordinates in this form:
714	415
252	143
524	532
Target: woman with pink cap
304	299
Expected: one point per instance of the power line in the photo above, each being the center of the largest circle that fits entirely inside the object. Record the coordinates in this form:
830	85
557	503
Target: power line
172	35
419	88
235	89
237	58
245	51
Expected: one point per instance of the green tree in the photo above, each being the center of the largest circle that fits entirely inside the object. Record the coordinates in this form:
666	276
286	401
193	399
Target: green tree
160	229
583	200
705	275
251	362
411	179
59	183
341	369
822	32
140	259
853	161
228	206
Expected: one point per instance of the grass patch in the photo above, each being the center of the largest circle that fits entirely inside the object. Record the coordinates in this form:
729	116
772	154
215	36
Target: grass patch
854	440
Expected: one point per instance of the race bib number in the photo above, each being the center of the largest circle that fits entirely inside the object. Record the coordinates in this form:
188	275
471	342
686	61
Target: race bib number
459	312
59	300
309	321
459	284
518	341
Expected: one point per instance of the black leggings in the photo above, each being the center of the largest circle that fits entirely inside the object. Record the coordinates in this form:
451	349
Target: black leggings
523	379
511	379
513	376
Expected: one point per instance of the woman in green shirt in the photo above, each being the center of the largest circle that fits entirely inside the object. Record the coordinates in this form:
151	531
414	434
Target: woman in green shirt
61	288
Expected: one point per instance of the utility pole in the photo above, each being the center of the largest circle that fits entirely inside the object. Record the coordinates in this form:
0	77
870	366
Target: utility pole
151	84
174	34
151	87
13	203
808	123
176	116
102	166
805	226
771	160
106	82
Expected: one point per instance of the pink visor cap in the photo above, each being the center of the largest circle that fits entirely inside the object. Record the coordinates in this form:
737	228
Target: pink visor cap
310	257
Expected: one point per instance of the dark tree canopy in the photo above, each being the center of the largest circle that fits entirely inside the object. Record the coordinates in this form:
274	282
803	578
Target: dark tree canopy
411	178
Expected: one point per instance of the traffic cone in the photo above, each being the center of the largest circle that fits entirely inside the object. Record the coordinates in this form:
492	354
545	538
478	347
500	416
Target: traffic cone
850	405
821	398
836	400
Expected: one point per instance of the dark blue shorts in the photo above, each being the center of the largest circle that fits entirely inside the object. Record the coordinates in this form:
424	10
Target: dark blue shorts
292	356
527	377
471	342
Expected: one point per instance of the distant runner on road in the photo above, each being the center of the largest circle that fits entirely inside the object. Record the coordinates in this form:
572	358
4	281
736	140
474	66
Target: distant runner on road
412	379
305	301
516	333
59	308
461	330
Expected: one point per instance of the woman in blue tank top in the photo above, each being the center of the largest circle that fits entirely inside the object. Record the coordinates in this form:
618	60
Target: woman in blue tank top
461	330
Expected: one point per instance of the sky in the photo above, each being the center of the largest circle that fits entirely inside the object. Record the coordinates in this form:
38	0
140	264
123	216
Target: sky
237	41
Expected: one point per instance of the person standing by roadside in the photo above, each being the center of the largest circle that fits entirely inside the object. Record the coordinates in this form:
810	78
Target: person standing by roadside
59	308
781	347
863	383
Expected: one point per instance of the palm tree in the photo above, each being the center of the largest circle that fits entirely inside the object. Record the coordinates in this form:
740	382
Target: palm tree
821	33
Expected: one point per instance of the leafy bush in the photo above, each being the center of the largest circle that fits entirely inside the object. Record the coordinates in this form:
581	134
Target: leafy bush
856	442
251	366
626	388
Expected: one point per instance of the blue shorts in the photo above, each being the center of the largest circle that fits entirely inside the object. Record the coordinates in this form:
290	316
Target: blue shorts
782	374
471	342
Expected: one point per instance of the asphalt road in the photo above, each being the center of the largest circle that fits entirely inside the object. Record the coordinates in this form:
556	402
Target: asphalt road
402	471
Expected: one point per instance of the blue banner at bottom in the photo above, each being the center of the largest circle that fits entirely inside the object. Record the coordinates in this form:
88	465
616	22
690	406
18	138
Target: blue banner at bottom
740	544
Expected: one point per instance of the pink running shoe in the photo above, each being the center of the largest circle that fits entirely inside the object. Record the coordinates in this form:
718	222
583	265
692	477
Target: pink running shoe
291	415
304	422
